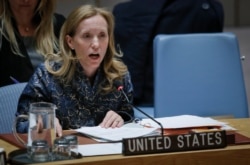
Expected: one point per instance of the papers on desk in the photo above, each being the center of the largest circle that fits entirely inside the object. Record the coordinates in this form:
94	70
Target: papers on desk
100	149
117	134
111	135
183	121
135	130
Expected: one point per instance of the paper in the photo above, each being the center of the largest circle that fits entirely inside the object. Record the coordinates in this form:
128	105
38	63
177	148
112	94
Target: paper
134	130
117	134
100	149
183	121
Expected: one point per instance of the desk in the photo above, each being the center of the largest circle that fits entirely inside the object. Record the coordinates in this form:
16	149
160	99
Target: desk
238	154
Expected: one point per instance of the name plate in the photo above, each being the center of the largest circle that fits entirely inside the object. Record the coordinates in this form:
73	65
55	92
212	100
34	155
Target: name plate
174	143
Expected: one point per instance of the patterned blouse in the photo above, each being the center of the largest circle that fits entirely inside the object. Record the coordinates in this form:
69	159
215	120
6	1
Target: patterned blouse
78	103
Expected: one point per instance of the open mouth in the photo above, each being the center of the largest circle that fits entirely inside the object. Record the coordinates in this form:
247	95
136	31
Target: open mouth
94	56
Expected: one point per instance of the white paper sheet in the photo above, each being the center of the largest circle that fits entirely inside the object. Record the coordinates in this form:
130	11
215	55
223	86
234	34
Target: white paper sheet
183	121
135	130
117	134
100	149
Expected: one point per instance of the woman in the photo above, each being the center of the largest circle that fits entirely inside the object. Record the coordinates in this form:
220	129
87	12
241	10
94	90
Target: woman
81	80
29	30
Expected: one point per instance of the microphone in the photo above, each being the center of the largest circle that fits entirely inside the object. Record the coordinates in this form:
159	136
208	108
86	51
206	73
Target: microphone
119	87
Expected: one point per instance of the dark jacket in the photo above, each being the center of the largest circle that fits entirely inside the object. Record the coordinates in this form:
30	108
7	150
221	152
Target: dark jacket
17	66
137	24
78	103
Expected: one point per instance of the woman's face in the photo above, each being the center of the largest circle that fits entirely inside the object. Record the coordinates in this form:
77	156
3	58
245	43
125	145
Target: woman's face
23	5
90	41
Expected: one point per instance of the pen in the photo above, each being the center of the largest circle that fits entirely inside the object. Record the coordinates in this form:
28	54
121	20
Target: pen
14	80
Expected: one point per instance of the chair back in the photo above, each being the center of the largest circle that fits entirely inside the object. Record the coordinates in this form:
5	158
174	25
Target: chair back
198	74
9	96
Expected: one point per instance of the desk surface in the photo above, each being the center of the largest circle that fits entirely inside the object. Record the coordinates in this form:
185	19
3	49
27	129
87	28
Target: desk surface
237	154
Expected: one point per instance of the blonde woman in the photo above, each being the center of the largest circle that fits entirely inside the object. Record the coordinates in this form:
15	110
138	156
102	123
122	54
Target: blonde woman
29	30
82	79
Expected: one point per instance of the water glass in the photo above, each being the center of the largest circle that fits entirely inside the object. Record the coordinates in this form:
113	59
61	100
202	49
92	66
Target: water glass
41	120
40	151
61	149
73	143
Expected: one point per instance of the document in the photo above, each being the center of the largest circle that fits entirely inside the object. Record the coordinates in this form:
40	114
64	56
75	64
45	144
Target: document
117	134
100	149
114	136
183	121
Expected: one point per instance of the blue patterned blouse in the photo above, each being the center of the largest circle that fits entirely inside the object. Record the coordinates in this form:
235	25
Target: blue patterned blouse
78	103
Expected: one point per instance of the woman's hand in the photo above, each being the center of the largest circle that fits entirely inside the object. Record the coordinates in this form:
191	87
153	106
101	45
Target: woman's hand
112	119
58	127
38	131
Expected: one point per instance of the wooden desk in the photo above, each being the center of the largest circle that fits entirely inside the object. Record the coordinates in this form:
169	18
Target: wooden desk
238	154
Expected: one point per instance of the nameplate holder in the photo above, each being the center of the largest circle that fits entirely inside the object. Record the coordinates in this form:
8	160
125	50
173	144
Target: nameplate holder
174	143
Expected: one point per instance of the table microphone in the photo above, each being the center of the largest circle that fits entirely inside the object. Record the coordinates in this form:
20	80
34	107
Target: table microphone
119	86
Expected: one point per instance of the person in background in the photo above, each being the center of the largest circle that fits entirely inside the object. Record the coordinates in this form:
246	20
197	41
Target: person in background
29	30
82	79
136	29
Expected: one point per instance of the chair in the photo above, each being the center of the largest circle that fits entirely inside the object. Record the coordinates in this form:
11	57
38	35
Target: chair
147	110
198	74
9	96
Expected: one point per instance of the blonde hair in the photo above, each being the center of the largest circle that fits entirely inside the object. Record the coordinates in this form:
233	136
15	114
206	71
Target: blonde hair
113	68
45	38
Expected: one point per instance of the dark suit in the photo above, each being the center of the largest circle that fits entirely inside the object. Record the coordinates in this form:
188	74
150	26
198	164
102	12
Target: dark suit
137	23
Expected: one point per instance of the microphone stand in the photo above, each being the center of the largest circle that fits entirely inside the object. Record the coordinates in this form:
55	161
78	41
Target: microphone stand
138	109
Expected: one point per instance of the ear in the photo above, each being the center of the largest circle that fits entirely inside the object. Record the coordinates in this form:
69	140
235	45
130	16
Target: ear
69	41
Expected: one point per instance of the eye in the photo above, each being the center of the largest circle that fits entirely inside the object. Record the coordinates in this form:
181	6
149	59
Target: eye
86	35
102	35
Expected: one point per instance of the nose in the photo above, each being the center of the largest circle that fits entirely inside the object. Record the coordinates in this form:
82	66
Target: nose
95	43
